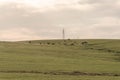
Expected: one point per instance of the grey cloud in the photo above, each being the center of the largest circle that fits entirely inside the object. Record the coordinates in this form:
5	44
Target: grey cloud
103	7
97	1
80	23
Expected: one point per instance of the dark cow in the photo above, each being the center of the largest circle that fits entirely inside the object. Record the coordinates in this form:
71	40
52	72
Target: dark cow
84	43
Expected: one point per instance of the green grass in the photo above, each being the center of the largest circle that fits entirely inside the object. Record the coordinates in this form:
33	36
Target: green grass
52	77
22	56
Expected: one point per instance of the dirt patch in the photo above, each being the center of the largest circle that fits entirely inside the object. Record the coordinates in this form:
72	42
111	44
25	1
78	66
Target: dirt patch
74	73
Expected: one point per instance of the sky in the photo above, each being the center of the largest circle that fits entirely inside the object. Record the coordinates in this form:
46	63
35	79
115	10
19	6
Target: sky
45	19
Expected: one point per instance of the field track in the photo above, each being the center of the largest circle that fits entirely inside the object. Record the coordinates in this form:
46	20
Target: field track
74	73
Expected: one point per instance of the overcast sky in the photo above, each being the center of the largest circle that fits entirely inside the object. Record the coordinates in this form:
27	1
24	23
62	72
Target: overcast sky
45	19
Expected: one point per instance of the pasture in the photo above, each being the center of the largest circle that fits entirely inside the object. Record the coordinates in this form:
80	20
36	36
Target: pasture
60	60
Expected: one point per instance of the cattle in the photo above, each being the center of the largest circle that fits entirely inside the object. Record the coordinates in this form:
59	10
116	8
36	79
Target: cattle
84	43
29	42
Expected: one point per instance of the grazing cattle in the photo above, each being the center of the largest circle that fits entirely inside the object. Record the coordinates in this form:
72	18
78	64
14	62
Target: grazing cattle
118	52
64	44
53	43
48	43
29	42
69	39
84	43
72	44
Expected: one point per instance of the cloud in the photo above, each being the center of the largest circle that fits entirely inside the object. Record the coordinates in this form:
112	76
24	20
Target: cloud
18	34
80	18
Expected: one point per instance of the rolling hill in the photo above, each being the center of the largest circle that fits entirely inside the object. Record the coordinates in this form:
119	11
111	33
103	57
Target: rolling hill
98	59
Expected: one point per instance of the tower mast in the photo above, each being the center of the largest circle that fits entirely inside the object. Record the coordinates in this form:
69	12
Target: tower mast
63	34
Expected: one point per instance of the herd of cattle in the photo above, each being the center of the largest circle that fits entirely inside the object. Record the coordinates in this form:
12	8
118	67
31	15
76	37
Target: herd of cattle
63	43
85	44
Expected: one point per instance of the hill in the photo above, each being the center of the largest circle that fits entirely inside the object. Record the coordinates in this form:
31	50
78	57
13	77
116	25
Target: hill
60	60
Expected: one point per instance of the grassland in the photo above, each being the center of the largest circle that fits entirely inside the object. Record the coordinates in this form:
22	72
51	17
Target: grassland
60	60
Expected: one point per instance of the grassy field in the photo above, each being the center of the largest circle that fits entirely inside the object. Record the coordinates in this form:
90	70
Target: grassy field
60	60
